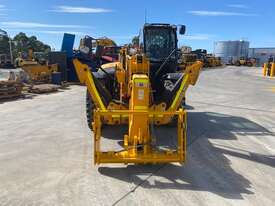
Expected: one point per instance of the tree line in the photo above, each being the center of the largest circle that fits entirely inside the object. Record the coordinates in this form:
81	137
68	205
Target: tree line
22	43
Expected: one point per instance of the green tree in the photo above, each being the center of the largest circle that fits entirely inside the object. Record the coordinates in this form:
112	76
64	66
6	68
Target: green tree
135	40
21	43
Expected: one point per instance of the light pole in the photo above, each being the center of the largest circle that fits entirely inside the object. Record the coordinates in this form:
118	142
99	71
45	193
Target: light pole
10	41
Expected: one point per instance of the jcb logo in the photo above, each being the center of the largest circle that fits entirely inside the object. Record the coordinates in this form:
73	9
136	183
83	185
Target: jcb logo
141	84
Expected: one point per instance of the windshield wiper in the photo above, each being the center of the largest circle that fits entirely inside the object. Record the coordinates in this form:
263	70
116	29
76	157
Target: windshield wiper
163	64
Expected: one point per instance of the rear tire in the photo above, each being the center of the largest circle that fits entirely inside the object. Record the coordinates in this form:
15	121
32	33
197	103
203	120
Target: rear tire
90	106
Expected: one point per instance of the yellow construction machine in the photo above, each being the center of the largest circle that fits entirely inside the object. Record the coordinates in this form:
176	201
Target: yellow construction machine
243	61
94	42
187	59
212	61
209	61
36	71
141	90
269	67
87	44
218	61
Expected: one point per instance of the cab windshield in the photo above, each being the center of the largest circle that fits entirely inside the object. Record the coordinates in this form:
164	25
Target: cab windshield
159	43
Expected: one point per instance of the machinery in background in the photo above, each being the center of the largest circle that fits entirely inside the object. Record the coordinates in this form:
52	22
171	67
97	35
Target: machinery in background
5	61
243	61
38	73
142	90
212	61
218	62
110	54
209	60
251	62
187	59
101	50
40	57
269	67
201	54
94	52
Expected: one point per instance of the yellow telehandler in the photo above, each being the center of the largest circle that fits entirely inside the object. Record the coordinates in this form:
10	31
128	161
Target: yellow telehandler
141	90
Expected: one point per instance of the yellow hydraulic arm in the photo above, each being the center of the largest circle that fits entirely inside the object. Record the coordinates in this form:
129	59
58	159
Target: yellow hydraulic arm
85	77
191	77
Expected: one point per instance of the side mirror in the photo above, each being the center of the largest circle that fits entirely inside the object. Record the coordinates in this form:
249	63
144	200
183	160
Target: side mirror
182	29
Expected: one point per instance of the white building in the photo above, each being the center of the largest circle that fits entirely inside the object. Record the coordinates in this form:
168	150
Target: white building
231	51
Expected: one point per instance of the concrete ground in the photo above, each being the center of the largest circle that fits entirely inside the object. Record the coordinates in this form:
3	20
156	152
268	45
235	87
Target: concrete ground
46	150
